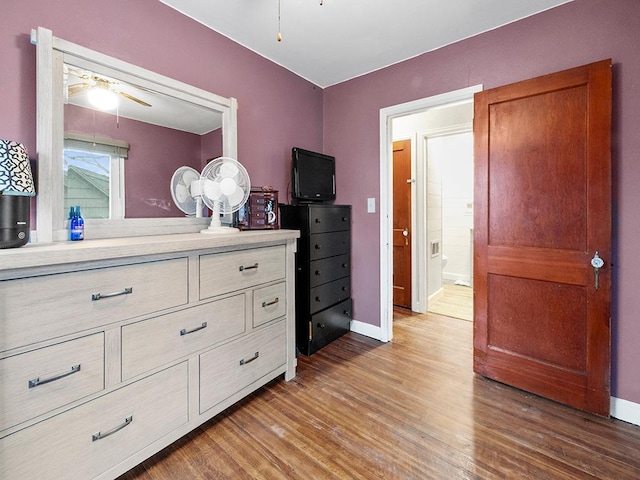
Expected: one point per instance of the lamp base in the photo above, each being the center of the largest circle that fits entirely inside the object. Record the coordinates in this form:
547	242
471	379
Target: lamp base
14	220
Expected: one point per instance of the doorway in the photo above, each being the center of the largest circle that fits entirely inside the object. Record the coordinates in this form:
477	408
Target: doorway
422	246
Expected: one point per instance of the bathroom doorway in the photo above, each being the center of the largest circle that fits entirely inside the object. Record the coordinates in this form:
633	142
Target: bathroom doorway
452	155
442	181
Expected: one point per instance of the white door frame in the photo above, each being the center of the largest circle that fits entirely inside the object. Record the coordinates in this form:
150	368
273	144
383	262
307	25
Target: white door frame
386	192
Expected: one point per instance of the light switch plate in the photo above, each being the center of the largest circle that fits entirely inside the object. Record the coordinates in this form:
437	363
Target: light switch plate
371	205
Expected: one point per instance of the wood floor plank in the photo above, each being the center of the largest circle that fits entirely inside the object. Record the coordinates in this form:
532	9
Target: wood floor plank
408	409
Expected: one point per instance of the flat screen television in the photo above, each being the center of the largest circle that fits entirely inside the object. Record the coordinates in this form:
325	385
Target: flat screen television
313	176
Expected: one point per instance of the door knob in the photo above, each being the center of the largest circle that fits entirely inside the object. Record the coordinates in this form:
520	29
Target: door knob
597	263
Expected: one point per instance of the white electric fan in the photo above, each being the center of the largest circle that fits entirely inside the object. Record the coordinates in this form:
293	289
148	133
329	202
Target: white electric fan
185	190
225	187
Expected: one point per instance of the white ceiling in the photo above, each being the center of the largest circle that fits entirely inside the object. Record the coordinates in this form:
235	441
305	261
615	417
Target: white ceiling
343	39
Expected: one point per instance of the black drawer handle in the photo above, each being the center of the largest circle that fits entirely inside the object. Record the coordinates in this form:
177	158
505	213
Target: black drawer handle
242	268
318	220
318	247
317	272
344	289
321	325
344	265
273	302
344	219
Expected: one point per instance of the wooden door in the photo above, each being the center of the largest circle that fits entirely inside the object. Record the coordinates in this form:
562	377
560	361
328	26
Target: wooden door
542	211
402	223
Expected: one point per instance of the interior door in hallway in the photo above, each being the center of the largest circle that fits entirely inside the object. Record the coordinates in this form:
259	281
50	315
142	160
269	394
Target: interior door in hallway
402	223
542	244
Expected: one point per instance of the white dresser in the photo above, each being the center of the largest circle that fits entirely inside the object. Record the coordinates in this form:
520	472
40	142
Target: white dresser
111	350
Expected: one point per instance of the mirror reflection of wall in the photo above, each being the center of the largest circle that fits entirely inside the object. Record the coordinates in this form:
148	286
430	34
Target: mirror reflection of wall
154	153
121	159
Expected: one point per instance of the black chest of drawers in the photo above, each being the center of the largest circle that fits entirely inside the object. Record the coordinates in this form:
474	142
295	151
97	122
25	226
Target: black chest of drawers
323	272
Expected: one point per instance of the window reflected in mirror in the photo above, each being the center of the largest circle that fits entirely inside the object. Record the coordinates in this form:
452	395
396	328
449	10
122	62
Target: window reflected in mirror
94	180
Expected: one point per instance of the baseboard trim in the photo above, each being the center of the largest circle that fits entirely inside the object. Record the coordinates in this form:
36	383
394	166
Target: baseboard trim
366	329
625	410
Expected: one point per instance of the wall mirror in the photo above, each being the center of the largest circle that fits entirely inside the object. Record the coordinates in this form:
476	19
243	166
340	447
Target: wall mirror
157	125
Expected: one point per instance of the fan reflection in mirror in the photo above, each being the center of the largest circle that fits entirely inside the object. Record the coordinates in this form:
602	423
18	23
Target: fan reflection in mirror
186	191
225	187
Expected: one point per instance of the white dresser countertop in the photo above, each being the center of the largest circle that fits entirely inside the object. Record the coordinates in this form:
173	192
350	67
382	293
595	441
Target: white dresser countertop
59	253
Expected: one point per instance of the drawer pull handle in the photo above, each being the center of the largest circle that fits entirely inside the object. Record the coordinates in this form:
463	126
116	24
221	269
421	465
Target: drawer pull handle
100	435
255	357
38	381
317	272
252	267
267	304
98	296
318	246
184	331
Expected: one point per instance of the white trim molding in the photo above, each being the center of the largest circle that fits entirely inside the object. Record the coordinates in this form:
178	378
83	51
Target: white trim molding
386	190
625	410
366	329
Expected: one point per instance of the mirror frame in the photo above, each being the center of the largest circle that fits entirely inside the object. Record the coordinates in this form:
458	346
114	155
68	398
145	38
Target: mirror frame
51	54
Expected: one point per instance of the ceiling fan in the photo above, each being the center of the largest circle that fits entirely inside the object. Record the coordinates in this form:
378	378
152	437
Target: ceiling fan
99	85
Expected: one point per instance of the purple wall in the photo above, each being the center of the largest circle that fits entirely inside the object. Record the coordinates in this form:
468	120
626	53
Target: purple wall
276	109
574	34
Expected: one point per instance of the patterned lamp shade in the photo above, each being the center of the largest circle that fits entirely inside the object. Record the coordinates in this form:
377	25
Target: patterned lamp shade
15	170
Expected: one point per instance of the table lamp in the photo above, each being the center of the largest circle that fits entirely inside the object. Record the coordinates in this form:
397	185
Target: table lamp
16	188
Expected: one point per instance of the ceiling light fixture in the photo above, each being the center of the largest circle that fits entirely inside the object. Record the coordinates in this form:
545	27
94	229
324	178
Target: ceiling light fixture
101	97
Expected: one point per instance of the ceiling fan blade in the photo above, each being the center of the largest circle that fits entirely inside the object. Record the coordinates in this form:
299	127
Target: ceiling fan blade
135	99
77	89
79	73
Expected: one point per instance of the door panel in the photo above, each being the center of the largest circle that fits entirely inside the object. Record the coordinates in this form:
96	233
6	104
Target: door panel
402	223
532	183
543	209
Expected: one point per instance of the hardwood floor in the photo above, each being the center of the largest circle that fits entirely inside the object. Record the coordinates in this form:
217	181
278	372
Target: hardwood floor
456	301
408	409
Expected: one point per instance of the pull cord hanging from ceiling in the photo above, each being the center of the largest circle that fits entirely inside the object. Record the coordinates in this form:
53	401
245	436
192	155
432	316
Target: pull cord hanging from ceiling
279	36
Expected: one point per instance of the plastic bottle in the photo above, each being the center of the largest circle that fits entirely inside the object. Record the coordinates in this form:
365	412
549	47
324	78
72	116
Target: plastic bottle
77	226
72	214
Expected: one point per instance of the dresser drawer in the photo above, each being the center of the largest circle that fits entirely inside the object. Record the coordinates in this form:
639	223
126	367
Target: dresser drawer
38	381
328	294
328	325
269	303
230	368
329	269
329	219
39	308
64	446
151	343
226	272
323	245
